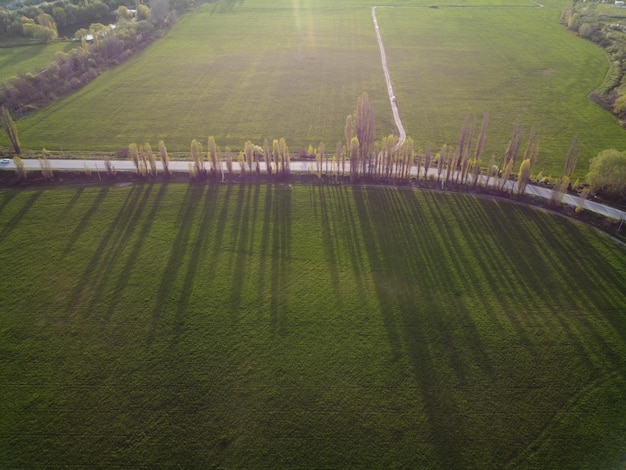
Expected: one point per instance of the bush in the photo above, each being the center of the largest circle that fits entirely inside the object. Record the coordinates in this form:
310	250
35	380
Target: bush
607	173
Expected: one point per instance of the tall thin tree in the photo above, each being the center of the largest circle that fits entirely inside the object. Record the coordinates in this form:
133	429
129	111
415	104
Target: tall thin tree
364	126
165	158
212	147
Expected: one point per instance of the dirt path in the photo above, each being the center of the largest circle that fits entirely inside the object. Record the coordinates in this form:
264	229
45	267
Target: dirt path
392	97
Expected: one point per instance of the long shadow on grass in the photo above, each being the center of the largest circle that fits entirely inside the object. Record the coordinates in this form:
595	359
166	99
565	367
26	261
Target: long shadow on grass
103	256
266	229
330	237
6	199
15	220
350	232
177	256
588	286
340	234
119	242
75	198
281	249
411	315
80	227
549	274
197	255
124	277
241	239
477	255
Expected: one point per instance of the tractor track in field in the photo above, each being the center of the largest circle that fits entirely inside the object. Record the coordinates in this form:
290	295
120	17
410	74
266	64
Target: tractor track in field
392	96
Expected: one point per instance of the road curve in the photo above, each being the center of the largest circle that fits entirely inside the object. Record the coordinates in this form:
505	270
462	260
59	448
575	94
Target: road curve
392	97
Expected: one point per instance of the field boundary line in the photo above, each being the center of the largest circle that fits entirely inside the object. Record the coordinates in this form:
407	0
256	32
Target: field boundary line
392	97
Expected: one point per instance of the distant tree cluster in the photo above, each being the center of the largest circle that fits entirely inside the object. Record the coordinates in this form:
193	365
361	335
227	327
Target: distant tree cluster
608	32
70	71
41	20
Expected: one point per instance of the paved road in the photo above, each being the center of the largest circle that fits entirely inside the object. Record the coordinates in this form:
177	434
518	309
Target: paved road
392	96
302	167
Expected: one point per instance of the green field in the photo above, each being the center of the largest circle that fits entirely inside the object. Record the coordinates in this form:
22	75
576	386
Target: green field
295	69
306	326
24	59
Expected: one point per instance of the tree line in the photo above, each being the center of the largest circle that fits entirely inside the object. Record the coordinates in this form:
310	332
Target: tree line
40	21
361	158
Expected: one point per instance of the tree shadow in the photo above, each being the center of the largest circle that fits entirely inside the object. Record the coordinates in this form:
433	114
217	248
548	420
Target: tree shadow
123	278
107	252
85	279
266	229
70	205
330	238
281	250
7	197
118	241
19	215
197	255
412	307
176	258
241	239
80	227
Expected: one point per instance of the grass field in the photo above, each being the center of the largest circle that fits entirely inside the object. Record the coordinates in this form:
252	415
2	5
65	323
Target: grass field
296	69
23	59
298	326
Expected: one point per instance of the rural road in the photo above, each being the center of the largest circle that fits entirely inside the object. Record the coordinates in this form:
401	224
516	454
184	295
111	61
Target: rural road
97	166
392	96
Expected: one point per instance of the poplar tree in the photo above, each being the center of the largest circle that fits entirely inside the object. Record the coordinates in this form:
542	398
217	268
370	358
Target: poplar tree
348	131
248	154
165	158
242	164
196	156
506	174
150	158
354	157
133	154
46	168
440	160
10	128
20	169
524	174
460	155
492	170
408	157
285	159
212	148
267	156
276	155
229	161
364	127
427	160
339	155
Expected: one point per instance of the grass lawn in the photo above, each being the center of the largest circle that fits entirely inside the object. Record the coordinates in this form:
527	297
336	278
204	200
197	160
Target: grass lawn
24	59
297	326
295	70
